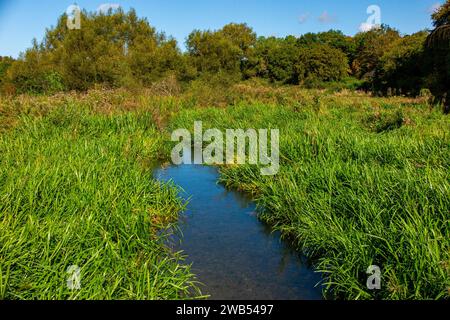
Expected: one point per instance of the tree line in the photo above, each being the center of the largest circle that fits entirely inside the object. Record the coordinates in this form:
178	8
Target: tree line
120	49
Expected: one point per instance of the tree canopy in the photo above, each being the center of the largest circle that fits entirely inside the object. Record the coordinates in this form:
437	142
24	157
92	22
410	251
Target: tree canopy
111	49
118	48
228	49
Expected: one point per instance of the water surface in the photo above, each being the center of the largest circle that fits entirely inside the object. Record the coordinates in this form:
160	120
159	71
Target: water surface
232	253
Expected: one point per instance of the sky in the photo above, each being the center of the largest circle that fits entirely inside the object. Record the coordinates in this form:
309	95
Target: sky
23	20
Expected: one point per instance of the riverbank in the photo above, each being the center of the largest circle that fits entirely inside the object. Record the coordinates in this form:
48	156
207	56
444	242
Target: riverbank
80	213
363	181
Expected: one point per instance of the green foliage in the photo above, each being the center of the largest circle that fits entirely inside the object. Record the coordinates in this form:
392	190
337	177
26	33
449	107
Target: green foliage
300	61
370	47
438	51
276	58
403	67
333	38
442	16
348	83
34	73
321	63
119	49
5	64
112	50
226	50
385	121
363	181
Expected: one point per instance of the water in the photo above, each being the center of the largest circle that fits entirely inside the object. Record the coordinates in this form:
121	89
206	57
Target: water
232	253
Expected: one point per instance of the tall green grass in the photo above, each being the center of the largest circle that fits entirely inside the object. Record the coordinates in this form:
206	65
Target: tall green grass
362	182
76	188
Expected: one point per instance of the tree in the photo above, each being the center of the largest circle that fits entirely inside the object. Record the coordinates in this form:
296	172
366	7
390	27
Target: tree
333	38
438	51
211	52
321	63
370	47
403	67
227	50
275	59
441	17
5	64
33	72
111	49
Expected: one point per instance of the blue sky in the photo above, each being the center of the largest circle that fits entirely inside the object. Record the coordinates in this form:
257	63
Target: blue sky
23	20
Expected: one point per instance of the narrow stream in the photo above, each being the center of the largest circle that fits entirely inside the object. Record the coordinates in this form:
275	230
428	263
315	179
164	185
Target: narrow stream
232	253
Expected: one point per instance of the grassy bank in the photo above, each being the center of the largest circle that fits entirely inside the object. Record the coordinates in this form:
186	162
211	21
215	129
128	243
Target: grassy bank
363	181
76	188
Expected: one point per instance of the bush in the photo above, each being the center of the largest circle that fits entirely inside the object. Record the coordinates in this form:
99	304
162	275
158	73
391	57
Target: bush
385	121
321	63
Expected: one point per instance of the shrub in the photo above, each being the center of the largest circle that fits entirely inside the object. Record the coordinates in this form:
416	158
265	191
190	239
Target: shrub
321	63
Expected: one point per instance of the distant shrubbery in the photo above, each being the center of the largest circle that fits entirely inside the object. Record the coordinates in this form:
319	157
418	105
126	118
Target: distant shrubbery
5	64
119	49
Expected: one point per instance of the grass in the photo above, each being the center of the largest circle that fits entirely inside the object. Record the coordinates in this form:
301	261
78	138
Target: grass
363	181
76	188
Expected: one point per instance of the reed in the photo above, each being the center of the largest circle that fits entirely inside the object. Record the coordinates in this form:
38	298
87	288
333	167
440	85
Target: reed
363	181
74	192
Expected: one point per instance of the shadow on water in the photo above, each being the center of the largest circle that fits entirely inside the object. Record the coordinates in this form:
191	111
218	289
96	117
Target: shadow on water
232	253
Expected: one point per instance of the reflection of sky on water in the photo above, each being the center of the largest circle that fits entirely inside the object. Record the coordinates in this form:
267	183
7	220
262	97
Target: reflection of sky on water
233	254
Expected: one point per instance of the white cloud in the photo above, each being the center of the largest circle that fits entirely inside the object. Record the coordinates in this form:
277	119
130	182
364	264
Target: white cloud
104	8
303	18
434	7
325	17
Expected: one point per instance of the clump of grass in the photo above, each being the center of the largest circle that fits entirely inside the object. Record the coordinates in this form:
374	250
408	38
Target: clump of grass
385	121
73	193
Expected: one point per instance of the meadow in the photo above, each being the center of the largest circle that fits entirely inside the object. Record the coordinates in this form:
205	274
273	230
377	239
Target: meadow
363	181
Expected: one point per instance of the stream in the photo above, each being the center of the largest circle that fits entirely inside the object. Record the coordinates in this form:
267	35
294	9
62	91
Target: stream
233	254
